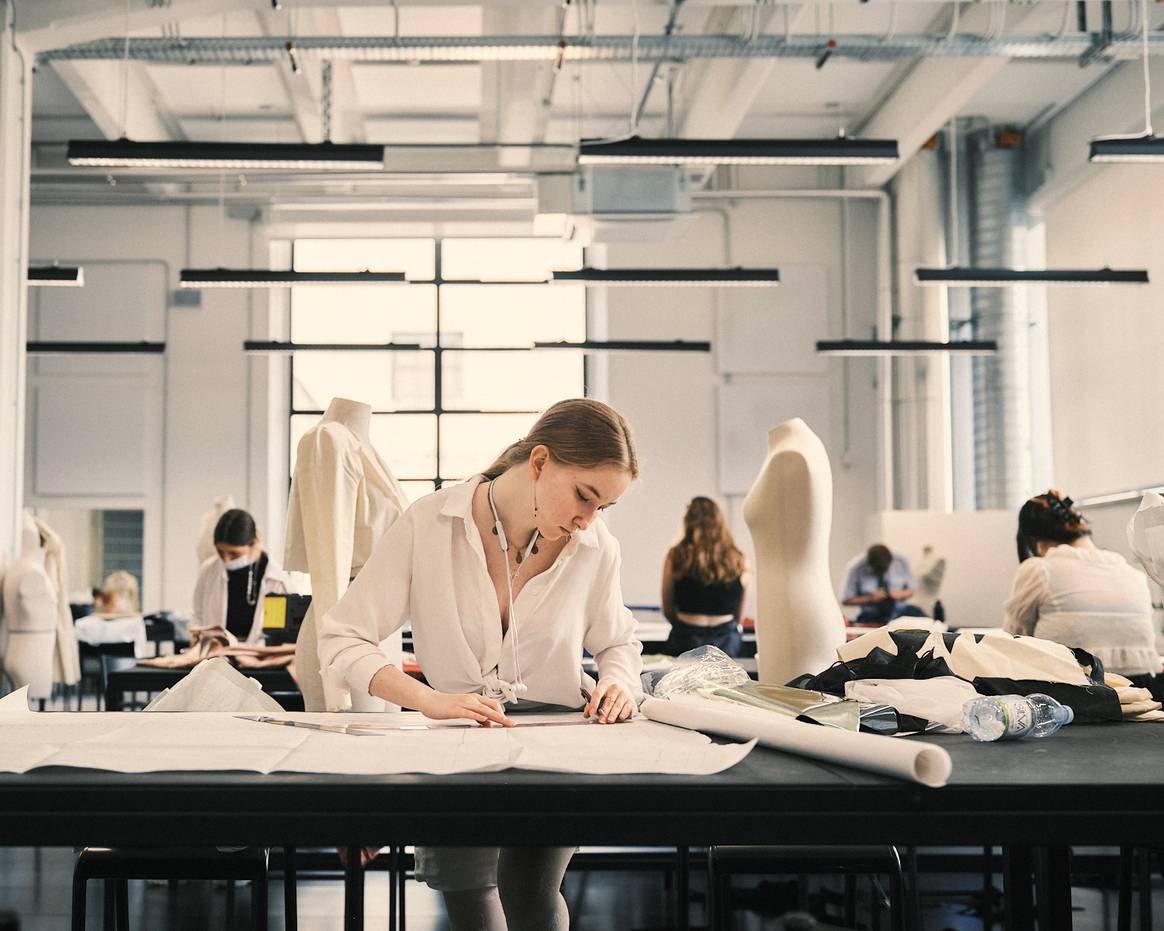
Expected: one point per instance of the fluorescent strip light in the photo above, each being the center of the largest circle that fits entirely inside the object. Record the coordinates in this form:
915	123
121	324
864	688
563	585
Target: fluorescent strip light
123	153
1138	150
672	277
265	278
631	345
903	347
838	151
43	348
1004	277
255	347
56	276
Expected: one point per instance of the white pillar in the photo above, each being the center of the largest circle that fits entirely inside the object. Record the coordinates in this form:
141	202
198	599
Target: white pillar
15	119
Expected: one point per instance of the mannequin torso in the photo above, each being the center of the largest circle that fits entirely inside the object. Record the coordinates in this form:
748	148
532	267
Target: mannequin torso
789	514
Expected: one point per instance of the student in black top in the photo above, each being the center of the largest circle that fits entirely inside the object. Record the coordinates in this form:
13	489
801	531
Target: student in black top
705	578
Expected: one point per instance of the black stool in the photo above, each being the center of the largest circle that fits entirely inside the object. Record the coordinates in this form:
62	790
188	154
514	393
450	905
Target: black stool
723	862
9	921
117	866
1138	861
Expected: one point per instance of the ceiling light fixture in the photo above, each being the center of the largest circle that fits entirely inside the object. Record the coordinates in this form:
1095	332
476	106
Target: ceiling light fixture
631	345
1004	277
56	276
56	348
265	278
274	347
638	151
672	277
903	347
1137	148
323	156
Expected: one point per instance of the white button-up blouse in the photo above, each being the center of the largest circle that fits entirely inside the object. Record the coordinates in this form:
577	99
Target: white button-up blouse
430	567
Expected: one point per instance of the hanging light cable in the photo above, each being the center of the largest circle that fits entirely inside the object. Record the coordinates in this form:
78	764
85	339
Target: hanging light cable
1142	147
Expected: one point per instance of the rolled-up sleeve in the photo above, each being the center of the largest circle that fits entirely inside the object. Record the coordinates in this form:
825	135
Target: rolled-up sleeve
1030	590
373	608
610	627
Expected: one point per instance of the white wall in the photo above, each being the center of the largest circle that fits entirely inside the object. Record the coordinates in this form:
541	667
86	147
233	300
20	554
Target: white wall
671	400
1107	376
199	415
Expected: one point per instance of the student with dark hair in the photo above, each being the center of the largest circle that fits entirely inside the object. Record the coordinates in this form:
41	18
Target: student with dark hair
232	584
880	583
1069	590
705	577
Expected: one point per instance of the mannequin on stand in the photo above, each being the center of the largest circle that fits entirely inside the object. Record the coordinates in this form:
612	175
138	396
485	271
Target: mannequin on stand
66	655
30	617
789	514
343	498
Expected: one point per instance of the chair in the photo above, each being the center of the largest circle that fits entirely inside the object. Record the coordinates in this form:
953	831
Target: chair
1135	861
723	862
117	866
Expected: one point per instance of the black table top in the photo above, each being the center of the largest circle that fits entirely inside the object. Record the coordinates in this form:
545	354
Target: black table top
1098	784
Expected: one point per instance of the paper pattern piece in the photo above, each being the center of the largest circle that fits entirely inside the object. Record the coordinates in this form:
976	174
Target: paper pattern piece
132	742
905	759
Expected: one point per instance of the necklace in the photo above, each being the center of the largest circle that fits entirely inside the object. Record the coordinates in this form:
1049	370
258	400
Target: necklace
252	595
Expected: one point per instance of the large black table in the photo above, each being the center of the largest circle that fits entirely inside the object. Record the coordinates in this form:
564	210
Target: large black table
1086	785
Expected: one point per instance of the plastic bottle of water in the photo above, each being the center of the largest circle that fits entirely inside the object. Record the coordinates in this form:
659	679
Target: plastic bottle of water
1014	717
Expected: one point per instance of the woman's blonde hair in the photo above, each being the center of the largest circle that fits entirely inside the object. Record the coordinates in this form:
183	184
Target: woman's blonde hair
707	552
579	432
121	592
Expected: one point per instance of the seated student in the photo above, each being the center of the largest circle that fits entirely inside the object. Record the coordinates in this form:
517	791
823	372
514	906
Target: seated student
231	585
880	583
119	594
704	583
1068	590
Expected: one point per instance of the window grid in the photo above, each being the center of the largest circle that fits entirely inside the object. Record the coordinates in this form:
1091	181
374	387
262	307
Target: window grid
438	349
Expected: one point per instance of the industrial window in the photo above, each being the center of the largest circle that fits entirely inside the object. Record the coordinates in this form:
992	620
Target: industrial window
474	307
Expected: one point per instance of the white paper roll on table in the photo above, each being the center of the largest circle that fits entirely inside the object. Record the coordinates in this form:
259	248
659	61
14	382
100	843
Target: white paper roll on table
919	762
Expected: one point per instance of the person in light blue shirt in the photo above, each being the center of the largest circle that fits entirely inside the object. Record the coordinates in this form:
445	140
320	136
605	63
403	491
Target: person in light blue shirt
880	582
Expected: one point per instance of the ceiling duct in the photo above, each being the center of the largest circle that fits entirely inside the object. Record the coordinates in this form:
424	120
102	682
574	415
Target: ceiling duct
614	204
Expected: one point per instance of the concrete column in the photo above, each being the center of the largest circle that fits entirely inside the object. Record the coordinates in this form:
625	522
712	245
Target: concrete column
15	120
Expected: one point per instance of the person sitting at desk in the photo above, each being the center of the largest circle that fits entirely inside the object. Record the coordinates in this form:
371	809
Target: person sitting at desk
880	583
459	562
1068	590
231	585
704	583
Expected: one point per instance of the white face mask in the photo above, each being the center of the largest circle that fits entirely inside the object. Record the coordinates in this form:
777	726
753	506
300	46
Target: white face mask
239	562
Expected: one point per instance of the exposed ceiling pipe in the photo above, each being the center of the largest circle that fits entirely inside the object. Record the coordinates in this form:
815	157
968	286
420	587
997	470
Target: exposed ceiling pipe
657	48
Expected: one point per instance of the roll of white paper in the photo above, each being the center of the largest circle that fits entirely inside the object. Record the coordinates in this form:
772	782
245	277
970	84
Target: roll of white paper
925	763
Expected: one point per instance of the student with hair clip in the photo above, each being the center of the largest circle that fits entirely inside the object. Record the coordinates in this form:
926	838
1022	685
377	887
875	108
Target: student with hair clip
1069	590
705	579
506	578
232	584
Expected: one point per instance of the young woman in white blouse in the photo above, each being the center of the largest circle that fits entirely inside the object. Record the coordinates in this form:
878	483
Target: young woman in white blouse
1069	590
506	578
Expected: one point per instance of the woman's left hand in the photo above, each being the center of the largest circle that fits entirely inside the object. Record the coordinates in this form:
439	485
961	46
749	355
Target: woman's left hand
609	704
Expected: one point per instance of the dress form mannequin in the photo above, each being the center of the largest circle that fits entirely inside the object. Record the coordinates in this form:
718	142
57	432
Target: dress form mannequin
30	617
66	656
789	514
343	498
206	524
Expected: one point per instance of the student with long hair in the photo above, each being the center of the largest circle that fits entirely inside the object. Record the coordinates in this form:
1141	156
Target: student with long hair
1069	590
705	577
507	578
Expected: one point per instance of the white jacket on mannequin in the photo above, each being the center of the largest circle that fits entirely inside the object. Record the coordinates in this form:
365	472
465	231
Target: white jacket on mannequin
210	595
30	617
66	656
343	499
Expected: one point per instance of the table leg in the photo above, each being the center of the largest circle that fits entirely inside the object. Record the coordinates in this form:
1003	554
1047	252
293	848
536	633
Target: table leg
1018	900
682	898
353	892
1053	885
112	698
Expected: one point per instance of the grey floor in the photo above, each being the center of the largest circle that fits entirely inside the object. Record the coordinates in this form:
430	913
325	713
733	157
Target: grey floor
36	885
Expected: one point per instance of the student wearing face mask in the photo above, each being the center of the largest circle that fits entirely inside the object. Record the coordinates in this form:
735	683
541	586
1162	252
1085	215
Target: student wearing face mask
233	583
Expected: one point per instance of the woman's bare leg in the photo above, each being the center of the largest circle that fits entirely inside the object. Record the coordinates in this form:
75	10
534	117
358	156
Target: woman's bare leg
475	910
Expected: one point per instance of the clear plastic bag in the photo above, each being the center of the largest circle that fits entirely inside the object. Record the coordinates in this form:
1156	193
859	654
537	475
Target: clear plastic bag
701	668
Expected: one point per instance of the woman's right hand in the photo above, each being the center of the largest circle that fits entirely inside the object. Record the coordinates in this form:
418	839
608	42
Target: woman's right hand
485	711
